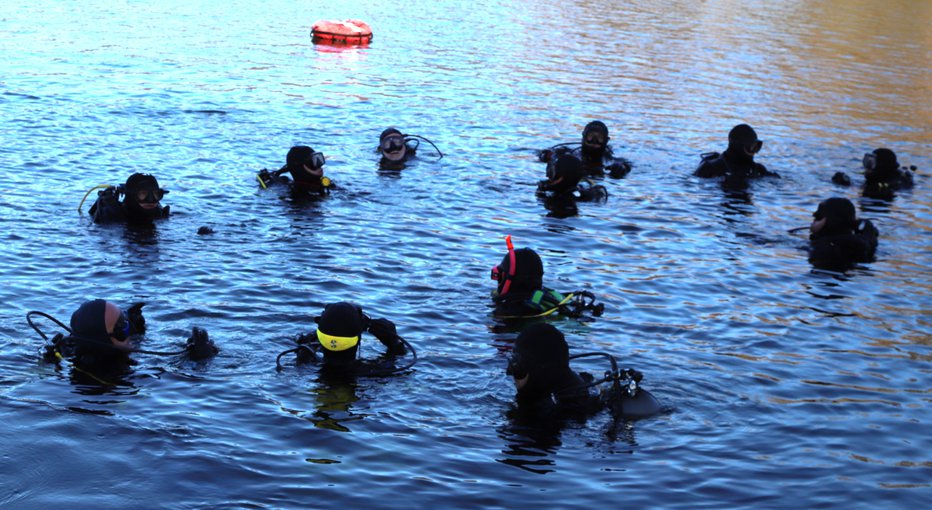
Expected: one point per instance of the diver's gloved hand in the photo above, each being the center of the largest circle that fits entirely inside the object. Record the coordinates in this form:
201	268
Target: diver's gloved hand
198	335
199	345
306	342
841	179
137	323
866	228
618	169
264	177
306	338
385	331
52	350
111	193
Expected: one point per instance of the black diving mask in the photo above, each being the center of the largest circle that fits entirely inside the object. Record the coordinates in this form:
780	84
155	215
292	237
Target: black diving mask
869	161
755	147
596	138
121	328
150	196
392	143
516	367
316	160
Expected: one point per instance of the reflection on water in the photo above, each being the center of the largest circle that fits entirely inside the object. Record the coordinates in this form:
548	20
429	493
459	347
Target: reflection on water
334	397
530	446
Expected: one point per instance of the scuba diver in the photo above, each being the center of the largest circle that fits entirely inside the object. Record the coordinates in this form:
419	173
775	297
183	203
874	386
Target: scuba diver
306	167
548	388
564	178
594	153
837	238
737	163
336	343
141	204
521	293
100	337
882	175
396	148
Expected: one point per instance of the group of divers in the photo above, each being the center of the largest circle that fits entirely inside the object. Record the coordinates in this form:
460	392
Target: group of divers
101	336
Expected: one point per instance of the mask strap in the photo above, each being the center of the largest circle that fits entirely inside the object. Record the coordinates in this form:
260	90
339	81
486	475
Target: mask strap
511	265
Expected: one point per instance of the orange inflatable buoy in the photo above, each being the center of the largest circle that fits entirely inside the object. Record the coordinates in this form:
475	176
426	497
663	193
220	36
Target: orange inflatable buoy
351	31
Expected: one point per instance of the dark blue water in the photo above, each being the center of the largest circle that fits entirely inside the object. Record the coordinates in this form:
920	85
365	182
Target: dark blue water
785	387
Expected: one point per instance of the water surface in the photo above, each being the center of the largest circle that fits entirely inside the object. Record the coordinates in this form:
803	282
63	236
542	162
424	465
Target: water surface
785	387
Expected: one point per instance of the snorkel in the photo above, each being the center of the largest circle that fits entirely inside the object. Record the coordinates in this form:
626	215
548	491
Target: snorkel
511	266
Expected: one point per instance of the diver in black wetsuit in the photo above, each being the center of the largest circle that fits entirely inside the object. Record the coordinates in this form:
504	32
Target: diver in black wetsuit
337	338
593	152
564	177
548	388
141	204
882	175
737	163
306	167
521	293
99	337
838	239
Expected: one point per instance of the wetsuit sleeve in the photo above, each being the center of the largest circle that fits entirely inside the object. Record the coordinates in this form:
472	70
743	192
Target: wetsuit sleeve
763	172
385	331
867	233
619	167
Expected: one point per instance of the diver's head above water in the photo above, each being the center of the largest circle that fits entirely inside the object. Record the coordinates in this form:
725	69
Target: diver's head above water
520	272
540	358
101	330
339	330
392	145
143	197
834	216
305	165
743	143
880	165
595	138
563	174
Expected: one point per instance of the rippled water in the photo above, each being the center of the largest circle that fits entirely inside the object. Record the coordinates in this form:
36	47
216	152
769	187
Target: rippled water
786	388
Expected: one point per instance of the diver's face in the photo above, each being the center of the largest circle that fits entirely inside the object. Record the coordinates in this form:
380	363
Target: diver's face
817	226
520	383
595	140
870	165
117	327
312	170
314	165
393	147
754	148
149	198
818	223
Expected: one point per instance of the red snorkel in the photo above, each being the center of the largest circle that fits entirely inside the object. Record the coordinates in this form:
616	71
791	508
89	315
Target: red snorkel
511	266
